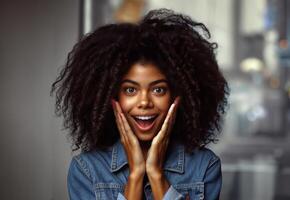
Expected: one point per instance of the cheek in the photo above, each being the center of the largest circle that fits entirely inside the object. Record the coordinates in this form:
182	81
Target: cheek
163	104
126	103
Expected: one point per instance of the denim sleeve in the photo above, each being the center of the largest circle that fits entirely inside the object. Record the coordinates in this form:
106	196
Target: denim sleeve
213	180
121	197
79	182
172	194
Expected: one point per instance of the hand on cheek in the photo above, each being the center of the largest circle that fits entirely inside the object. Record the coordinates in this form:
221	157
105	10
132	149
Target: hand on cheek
130	142
156	154
157	151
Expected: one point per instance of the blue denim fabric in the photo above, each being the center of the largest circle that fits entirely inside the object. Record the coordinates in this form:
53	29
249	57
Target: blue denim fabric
103	175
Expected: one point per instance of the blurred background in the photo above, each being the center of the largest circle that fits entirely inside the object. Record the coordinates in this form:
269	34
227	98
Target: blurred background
253	53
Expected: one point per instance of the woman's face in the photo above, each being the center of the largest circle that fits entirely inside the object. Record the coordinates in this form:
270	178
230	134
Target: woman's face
145	98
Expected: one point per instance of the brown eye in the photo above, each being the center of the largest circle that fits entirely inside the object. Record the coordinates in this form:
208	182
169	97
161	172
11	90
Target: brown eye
129	90
159	90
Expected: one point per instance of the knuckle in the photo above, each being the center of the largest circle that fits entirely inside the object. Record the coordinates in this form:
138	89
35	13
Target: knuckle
127	130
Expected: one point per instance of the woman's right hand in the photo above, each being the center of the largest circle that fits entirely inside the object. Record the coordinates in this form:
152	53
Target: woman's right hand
130	143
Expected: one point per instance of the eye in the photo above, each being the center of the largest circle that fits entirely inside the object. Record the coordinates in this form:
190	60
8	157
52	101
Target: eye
129	90
159	90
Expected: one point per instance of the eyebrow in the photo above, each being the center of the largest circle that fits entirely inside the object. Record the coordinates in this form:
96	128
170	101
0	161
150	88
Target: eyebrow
150	84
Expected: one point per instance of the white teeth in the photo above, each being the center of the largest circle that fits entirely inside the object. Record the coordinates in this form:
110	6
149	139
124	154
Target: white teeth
145	117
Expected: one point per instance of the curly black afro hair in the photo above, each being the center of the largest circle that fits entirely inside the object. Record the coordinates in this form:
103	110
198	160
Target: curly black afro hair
176	44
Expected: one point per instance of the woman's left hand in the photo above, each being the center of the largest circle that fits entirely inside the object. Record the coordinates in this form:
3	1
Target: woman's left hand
156	155
157	151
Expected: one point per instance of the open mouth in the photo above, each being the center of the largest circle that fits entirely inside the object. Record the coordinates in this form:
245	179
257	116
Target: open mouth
145	123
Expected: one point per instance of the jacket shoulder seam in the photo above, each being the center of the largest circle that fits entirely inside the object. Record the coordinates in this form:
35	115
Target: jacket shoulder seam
83	166
213	160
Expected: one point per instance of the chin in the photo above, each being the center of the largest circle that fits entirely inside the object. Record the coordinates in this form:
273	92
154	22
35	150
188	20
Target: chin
145	137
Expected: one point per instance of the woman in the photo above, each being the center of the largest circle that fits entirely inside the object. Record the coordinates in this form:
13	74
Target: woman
141	101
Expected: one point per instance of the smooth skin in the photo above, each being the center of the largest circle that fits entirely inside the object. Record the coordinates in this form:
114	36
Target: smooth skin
145	159
144	90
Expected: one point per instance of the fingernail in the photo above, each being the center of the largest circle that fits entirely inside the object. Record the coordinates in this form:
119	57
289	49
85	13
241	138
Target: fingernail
172	107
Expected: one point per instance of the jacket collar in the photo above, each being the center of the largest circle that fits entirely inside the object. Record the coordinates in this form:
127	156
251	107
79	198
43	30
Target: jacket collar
174	161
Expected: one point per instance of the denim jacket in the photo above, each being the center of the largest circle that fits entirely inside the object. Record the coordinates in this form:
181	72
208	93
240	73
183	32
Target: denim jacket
102	175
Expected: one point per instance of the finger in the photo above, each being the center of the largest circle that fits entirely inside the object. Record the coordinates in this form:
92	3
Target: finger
118	107
127	128
116	114
123	131
172	119
168	116
166	122
127	132
119	122
177	100
171	122
176	103
125	123
114	108
174	113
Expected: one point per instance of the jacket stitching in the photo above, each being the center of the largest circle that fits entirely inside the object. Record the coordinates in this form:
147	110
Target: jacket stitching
83	166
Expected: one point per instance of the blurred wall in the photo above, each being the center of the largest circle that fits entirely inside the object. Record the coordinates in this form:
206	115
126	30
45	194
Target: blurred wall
35	39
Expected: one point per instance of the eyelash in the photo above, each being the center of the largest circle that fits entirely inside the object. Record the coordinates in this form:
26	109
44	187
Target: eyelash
164	90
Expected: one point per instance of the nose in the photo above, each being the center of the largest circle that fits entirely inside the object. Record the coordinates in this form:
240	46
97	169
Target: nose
145	100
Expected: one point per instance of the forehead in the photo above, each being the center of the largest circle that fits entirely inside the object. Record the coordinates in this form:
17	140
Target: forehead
141	72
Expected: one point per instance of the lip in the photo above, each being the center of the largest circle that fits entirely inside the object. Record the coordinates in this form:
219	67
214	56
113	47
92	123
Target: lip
147	128
146	115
